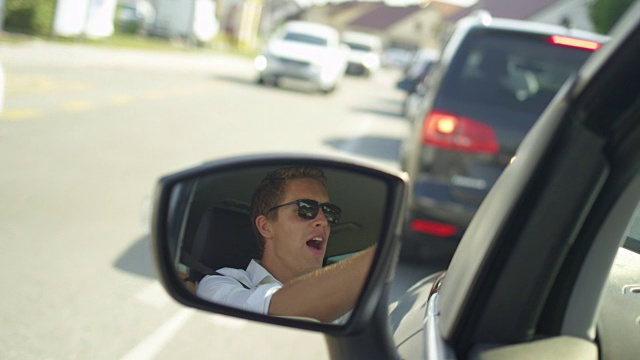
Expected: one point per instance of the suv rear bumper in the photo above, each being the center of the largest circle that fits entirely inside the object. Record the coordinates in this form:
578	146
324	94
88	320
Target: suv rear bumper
438	203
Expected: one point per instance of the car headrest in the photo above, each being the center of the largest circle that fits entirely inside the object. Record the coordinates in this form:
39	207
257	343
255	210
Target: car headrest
224	238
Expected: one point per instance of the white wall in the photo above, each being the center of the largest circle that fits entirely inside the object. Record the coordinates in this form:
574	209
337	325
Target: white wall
191	19
91	18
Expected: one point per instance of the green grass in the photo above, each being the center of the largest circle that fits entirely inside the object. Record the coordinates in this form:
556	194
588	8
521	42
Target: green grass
132	41
14	38
138	42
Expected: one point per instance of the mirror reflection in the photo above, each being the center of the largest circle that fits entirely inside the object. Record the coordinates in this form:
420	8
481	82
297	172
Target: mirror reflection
290	241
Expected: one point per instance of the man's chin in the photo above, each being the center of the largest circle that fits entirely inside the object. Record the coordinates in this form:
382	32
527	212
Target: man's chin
315	260
314	267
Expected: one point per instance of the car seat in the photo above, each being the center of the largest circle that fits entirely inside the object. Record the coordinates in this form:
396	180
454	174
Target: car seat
223	238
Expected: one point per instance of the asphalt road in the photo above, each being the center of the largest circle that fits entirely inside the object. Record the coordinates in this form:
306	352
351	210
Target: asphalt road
84	135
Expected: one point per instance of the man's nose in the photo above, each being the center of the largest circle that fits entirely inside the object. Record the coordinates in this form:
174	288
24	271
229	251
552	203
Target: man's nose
321	219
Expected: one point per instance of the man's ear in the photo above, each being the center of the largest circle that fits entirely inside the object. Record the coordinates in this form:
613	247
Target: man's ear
264	226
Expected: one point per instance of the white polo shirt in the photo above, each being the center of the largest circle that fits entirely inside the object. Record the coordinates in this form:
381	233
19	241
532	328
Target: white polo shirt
255	295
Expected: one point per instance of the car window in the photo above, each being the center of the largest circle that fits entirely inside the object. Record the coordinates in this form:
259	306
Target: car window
358	47
334	259
305	38
633	237
512	70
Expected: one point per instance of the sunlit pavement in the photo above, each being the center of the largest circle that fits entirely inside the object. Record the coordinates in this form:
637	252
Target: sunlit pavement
85	134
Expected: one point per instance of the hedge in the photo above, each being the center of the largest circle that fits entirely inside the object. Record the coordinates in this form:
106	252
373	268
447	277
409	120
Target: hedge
29	16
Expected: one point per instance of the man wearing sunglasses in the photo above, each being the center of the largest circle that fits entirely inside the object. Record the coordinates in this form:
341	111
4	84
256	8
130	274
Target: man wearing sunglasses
292	216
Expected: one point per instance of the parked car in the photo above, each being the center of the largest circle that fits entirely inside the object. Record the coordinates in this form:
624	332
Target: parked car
135	16
540	272
304	51
414	79
397	57
364	54
494	79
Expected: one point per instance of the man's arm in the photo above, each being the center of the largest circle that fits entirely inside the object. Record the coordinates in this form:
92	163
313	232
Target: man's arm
327	293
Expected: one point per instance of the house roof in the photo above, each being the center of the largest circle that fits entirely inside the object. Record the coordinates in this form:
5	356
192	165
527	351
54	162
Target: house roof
383	16
513	9
339	7
446	9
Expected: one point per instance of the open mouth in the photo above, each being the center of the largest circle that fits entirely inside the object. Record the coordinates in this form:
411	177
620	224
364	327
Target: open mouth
316	243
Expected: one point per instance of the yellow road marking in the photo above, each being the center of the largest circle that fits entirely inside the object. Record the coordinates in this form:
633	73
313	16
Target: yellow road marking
78	105
20	114
155	95
40	84
34	84
121	99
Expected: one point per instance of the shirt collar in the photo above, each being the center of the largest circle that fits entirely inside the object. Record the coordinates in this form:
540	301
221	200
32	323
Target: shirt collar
259	275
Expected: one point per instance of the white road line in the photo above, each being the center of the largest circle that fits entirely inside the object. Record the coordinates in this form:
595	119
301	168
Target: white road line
153	295
152	344
228	322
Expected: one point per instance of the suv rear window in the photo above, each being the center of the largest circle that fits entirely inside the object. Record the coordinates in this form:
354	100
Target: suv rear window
513	70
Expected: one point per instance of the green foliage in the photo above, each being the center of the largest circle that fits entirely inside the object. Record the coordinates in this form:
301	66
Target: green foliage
605	13
29	16
128	27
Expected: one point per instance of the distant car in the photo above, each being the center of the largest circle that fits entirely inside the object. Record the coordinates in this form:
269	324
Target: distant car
397	57
305	51
364	57
414	77
494	79
135	15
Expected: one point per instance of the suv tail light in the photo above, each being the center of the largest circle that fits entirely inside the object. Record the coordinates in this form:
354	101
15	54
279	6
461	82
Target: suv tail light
574	42
433	227
449	131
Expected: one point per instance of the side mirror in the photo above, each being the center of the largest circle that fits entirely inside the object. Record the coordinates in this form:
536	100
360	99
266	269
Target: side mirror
407	85
202	226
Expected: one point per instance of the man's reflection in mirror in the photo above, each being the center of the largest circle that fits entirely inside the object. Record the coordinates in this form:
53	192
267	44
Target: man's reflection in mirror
292	215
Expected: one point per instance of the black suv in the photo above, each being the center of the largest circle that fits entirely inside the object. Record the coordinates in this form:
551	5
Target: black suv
494	79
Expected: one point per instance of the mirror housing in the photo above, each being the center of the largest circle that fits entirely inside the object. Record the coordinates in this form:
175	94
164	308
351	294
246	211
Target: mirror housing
385	258
407	85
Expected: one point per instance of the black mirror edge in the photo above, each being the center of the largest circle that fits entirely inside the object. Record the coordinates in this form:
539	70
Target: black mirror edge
371	333
385	257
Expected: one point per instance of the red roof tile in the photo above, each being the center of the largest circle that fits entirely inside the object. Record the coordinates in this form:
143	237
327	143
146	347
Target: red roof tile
512	9
383	16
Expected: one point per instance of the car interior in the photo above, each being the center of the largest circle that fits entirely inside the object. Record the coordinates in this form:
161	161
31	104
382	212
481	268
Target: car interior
214	229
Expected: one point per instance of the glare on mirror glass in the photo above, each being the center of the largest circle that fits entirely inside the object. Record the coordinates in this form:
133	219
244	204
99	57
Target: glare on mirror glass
290	241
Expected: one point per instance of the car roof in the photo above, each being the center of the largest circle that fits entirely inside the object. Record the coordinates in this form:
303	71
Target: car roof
484	20
311	27
361	37
427	54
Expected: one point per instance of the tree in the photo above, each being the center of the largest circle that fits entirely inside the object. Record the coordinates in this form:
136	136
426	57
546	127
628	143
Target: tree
29	16
605	13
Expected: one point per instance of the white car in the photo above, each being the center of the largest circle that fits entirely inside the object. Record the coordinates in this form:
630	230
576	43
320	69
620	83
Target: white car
304	51
365	54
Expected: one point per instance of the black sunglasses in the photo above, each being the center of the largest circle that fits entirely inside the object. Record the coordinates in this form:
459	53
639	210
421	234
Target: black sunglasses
308	209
